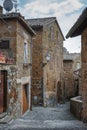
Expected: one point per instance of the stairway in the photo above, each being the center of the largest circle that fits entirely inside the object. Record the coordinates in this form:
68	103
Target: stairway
4	118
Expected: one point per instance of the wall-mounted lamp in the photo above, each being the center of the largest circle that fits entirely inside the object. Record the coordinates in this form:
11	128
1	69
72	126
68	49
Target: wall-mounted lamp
48	57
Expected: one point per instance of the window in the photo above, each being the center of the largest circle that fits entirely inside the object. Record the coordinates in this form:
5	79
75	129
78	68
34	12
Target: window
57	35
25	53
78	65
4	44
52	33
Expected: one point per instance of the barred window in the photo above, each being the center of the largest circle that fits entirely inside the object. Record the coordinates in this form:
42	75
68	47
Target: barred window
4	44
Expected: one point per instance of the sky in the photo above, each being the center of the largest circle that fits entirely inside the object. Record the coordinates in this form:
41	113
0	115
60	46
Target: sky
66	11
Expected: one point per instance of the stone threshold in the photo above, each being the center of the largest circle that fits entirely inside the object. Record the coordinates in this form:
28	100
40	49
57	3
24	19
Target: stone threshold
3	115
4	118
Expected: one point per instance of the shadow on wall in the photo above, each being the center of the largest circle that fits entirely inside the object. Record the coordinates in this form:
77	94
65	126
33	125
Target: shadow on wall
59	92
51	101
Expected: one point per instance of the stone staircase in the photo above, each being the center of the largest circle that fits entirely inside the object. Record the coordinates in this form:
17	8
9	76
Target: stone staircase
4	118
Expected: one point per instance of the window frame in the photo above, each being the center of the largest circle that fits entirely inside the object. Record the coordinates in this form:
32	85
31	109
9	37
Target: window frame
52	33
4	42
25	53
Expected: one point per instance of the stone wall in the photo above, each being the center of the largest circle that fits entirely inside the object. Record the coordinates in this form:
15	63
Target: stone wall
72	74
18	73
46	75
9	34
53	69
37	69
84	74
77	75
77	82
77	61
68	79
24	70
76	107
13	91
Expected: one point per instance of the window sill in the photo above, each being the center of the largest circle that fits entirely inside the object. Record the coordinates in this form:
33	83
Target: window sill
27	64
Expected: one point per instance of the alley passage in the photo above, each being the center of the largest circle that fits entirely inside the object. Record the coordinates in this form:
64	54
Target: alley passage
57	118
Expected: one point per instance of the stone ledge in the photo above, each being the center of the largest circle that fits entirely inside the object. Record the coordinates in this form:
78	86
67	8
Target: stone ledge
76	107
77	99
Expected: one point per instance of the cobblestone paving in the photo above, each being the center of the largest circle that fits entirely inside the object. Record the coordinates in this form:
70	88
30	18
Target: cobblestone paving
57	118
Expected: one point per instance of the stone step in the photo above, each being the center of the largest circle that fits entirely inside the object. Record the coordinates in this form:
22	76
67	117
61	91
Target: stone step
3	115
6	119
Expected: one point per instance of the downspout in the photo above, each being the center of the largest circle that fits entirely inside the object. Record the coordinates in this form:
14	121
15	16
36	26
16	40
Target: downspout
30	87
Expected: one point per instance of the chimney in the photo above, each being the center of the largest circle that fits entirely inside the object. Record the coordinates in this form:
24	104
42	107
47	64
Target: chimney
1	10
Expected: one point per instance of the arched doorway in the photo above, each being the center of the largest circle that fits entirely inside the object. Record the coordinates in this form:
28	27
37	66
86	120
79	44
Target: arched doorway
25	97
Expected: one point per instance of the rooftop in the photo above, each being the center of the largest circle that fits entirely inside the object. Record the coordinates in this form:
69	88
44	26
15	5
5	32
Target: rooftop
79	26
70	56
41	22
18	17
67	57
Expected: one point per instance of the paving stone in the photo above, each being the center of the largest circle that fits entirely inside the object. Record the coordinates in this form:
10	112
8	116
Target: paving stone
57	118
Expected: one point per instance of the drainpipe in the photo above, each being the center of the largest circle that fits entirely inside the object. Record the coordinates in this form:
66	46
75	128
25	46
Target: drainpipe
30	103
30	87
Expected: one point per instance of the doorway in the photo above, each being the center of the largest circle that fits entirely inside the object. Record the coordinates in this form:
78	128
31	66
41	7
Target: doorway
3	91
25	98
59	92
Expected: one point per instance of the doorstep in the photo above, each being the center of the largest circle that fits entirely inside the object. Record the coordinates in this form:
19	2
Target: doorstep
4	118
3	115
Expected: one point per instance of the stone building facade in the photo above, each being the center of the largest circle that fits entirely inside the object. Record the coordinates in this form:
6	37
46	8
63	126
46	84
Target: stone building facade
77	82
68	78
71	64
77	76
80	28
47	63
15	59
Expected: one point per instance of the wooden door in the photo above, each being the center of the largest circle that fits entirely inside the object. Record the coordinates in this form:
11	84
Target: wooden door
3	91
25	98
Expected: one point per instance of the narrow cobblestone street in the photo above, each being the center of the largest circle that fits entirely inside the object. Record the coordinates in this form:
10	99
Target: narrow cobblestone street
57	118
